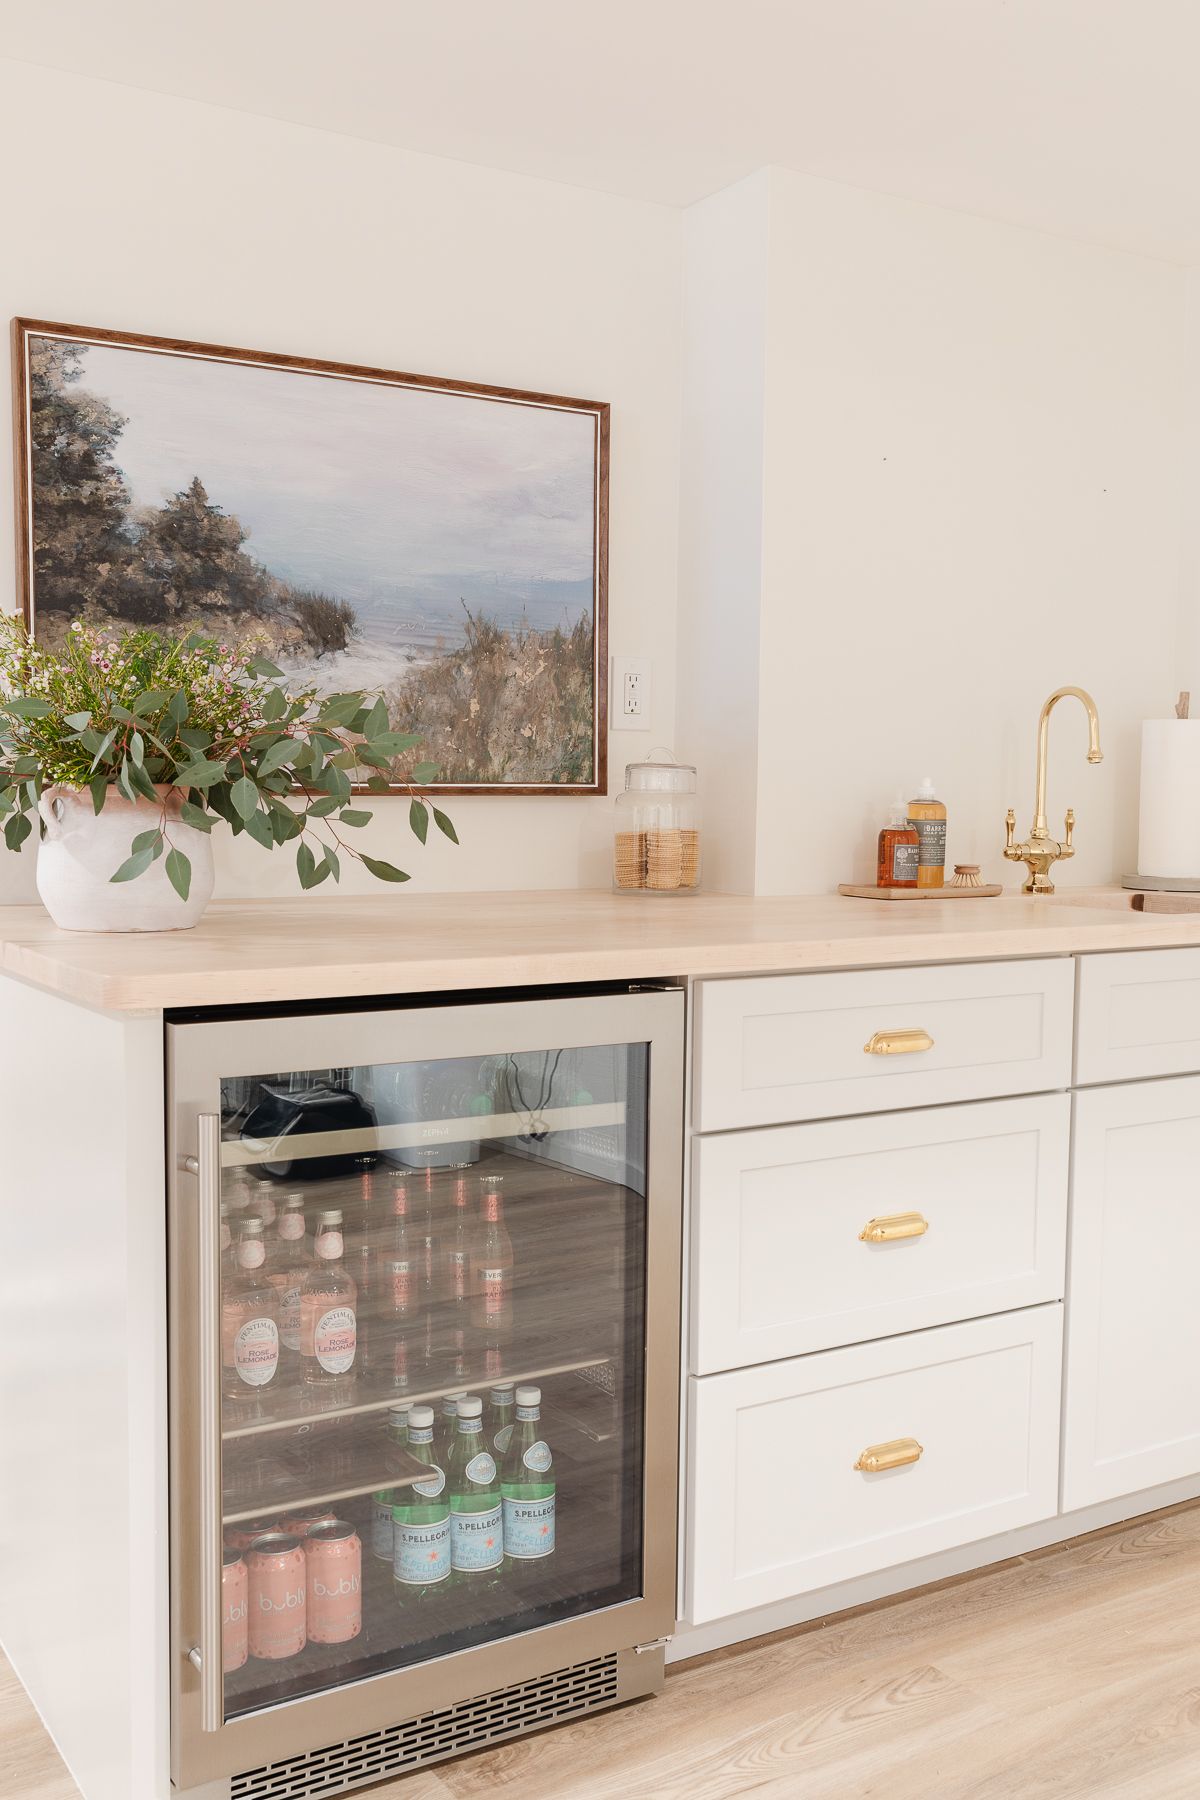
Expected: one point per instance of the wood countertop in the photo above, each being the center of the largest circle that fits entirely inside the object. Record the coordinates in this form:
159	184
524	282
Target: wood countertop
314	948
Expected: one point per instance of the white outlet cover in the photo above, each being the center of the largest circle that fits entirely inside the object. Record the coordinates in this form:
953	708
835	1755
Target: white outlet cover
623	668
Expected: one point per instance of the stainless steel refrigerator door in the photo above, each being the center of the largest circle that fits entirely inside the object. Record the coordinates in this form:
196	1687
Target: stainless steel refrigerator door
205	1744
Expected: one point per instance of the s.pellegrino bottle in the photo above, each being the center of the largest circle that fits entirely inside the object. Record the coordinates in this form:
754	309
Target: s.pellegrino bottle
500	1418
476	1533
421	1517
527	1484
383	1499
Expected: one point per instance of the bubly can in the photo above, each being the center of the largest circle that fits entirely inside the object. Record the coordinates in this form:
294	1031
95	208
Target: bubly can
234	1620
300	1524
240	1537
333	1555
275	1567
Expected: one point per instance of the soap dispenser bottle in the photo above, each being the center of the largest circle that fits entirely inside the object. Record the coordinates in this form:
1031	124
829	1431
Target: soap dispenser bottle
928	814
899	850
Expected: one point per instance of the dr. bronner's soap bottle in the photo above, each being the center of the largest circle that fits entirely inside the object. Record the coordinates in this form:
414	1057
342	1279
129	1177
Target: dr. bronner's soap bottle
928	814
899	850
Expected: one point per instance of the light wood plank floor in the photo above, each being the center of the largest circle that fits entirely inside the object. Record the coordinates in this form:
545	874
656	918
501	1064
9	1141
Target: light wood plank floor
1073	1674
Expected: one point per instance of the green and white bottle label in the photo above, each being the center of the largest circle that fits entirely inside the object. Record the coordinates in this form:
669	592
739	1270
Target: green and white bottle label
476	1539
529	1528
422	1553
430	1489
481	1469
537	1457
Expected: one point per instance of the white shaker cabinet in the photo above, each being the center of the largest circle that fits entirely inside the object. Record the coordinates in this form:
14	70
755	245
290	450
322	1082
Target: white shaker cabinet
1132	1412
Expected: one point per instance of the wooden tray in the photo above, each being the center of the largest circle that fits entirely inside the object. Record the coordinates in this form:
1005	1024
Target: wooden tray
986	892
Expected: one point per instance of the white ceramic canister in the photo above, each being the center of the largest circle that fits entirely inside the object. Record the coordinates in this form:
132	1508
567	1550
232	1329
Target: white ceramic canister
82	850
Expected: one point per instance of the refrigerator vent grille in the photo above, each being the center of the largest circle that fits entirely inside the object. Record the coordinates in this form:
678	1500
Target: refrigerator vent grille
398	1749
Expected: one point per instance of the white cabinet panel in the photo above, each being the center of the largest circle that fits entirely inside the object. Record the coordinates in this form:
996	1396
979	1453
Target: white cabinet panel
776	1504
1139	1014
780	1264
777	1048
1132	1395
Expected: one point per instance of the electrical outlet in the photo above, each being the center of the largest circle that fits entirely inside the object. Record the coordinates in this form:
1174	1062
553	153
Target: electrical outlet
629	708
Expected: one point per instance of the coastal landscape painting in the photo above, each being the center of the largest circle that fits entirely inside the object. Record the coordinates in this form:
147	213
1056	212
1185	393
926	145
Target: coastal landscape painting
440	544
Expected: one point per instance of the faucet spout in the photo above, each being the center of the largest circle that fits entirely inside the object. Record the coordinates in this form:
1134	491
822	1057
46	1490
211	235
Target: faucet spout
1094	755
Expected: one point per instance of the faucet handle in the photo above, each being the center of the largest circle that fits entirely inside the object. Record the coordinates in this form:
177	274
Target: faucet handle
1070	826
1010	826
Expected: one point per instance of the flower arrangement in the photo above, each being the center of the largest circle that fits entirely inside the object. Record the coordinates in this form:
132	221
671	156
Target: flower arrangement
157	717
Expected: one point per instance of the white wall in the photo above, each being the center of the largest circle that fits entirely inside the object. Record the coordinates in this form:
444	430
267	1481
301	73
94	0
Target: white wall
128	209
971	494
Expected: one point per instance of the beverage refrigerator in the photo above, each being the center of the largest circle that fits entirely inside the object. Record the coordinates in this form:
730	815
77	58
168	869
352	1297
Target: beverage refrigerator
424	1289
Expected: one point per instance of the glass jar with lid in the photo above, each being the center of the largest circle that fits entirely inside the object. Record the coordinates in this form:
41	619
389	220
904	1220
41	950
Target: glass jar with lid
656	833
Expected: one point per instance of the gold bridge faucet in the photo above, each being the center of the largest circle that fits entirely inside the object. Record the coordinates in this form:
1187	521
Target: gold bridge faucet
1041	851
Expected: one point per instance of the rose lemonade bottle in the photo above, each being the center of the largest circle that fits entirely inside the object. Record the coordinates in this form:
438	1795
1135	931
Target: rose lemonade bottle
249	1319
329	1313
491	1279
287	1265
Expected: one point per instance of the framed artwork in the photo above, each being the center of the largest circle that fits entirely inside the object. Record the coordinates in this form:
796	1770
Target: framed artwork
439	542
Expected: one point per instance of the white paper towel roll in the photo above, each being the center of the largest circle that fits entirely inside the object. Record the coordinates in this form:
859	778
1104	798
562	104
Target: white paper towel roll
1169	812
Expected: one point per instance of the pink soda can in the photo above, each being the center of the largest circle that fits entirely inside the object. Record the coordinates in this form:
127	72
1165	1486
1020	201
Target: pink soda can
234	1611
275	1566
333	1554
300	1524
240	1537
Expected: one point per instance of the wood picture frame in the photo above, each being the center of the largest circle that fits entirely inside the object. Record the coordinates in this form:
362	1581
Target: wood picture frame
78	506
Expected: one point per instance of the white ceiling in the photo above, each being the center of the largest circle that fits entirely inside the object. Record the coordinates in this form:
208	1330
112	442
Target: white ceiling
1073	116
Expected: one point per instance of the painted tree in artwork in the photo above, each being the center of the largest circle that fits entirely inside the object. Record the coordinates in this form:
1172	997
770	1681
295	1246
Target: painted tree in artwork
189	555
81	548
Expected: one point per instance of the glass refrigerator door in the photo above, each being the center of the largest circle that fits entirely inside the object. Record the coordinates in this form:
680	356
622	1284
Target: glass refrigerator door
433	1319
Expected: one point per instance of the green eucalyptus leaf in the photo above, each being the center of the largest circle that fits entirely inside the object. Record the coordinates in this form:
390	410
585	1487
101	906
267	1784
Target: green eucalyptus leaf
200	774
376	784
103	748
27	706
79	721
142	782
279	753
339	709
333	862
152	701
146	840
16	830
262	665
306	865
177	707
274	706
391	743
133	866
418	819
124	781
285	824
376	720
193	737
445	825
425	771
258	826
99	788
179	872
196	817
321	809
353	817
383	871
244	794
137	748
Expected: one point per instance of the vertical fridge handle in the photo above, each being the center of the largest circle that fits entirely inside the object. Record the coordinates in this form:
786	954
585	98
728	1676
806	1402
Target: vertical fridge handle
207	1169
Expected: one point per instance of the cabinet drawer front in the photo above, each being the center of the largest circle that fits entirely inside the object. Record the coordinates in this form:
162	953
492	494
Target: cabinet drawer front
776	1504
1132	1391
777	1048
808	1236
1139	1014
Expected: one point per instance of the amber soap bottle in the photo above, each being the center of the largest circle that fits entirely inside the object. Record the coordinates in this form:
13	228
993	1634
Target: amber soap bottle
928	814
899	850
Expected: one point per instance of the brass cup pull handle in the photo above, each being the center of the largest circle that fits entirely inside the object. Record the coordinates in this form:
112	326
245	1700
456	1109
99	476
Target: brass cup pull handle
893	1455
897	1043
894	1226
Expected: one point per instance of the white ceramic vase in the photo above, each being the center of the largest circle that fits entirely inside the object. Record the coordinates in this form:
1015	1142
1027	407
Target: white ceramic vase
82	850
